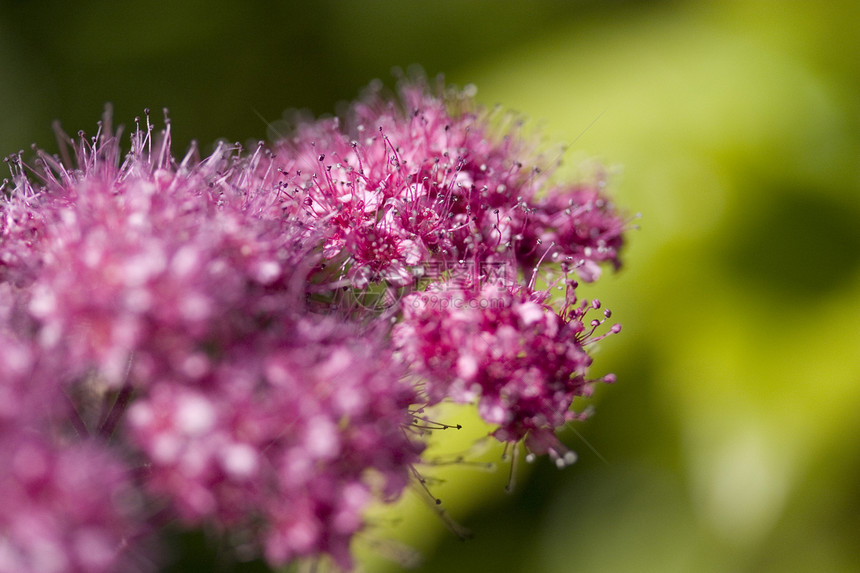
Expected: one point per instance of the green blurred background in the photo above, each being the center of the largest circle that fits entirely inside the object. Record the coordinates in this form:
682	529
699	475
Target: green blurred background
730	442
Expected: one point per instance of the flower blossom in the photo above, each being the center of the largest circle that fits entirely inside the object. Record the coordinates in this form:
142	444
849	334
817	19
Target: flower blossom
67	504
168	301
447	204
506	349
64	508
435	180
240	342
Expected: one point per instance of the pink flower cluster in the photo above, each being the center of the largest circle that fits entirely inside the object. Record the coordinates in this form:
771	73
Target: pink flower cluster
431	180
240	342
506	349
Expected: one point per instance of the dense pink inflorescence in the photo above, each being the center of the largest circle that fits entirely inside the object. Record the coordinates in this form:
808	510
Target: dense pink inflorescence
238	342
64	507
430	181
437	197
506	349
285	431
176	291
67	504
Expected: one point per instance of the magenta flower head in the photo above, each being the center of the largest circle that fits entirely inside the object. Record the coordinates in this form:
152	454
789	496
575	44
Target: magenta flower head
505	348
159	337
432	180
446	205
243	343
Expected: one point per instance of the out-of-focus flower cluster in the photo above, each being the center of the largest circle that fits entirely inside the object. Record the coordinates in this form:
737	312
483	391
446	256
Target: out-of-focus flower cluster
242	342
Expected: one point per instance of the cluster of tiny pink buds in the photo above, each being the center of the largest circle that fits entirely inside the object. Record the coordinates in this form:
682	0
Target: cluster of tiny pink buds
239	342
506	349
434	182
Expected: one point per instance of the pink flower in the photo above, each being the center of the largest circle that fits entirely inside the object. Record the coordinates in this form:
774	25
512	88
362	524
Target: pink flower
64	507
505	349
261	441
240	342
578	228
161	309
435	189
